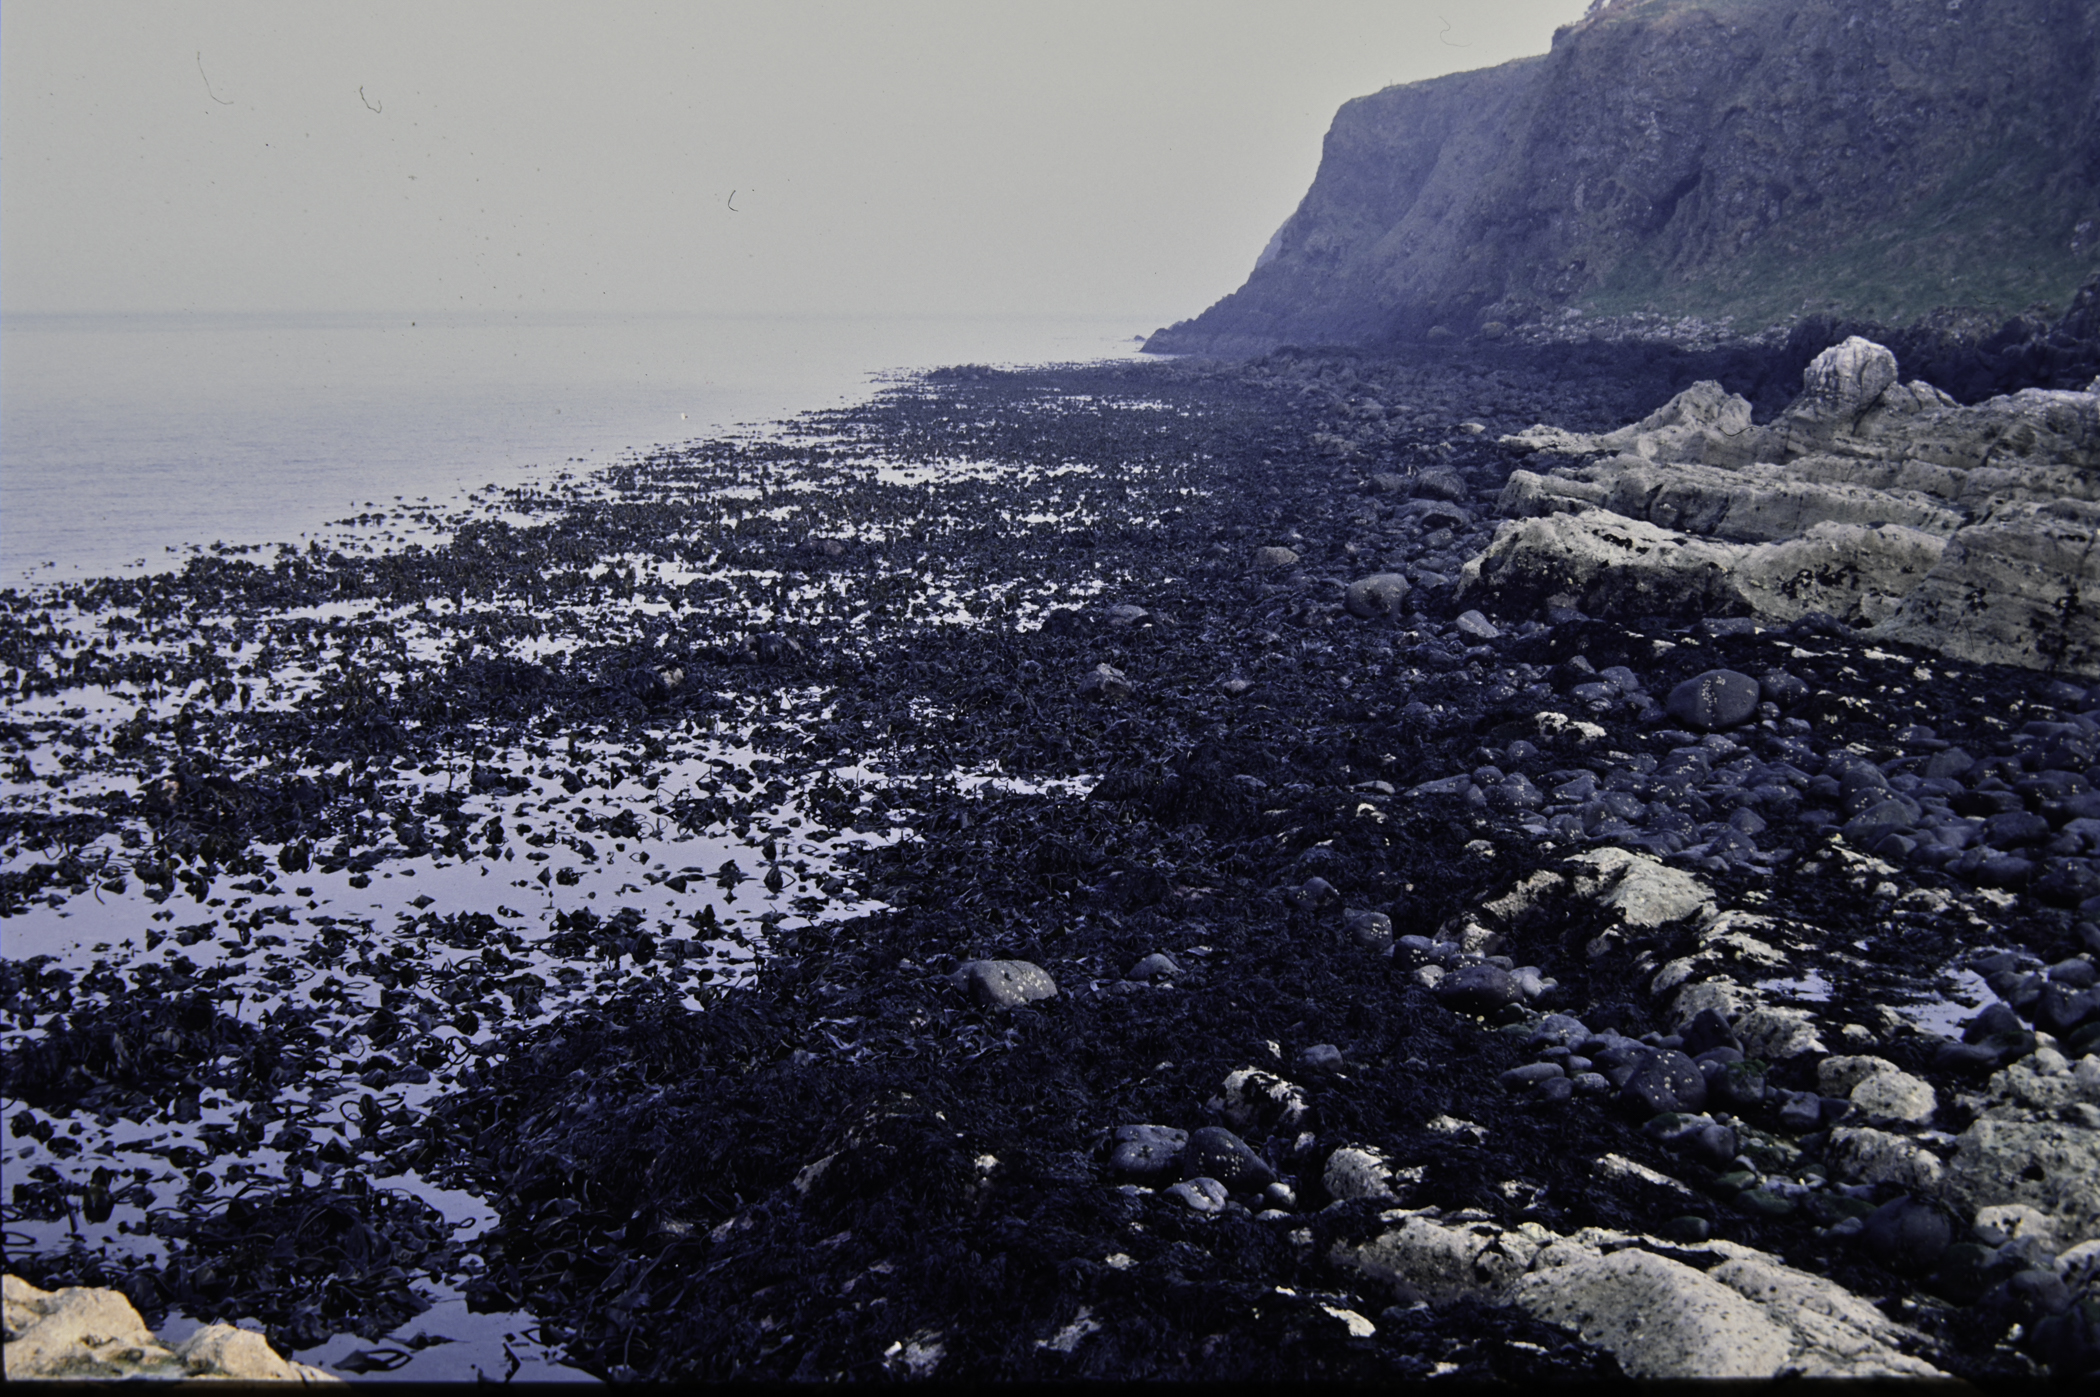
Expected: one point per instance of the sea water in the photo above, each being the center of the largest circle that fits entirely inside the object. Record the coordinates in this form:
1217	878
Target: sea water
128	440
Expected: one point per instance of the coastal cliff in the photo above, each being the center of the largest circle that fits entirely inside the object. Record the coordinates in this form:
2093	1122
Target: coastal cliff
1753	160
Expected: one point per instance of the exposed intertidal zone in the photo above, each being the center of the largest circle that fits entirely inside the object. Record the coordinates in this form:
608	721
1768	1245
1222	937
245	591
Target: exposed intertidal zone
1043	874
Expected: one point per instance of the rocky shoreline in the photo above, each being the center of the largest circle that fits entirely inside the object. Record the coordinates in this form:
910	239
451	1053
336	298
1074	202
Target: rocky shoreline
1210	933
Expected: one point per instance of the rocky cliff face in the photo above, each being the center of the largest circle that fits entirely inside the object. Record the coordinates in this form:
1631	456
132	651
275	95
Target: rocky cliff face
1760	159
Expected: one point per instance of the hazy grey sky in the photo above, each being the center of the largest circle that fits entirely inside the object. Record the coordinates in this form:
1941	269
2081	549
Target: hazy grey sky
1122	158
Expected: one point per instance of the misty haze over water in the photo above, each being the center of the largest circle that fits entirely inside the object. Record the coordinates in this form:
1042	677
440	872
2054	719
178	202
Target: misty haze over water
127	438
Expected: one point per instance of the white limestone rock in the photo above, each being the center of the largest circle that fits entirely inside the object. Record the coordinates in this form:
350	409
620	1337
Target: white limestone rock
2020	1222
1830	1331
1969	530
89	1333
1847	378
1720	994
1643	891
1254	1100
1861	1154
1660	1318
1612	564
1358	1171
2041	1081
1608	563
1703	423
1778	1033
1750	1316
2003	589
1878	1088
1472	1260
2079	1265
1749	504
1860	575
2051	1166
77	1332
222	1351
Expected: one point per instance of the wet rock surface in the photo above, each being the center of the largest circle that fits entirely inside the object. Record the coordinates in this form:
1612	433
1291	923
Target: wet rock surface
809	975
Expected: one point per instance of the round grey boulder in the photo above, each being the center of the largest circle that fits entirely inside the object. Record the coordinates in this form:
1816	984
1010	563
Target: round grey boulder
1005	984
1322	1057
1886	817
1530	1074
1216	1153
1476	627
1717	699
2013	829
1557	1031
1664	1080
1147	1150
1441	483
1782	688
1371	930
1478	989
1380	594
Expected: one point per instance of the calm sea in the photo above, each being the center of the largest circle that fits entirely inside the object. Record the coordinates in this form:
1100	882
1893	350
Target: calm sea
127	439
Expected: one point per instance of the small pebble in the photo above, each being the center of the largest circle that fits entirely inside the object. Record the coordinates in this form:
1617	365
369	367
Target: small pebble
1204	1195
1476	627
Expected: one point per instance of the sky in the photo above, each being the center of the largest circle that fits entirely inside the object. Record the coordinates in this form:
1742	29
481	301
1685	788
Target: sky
788	157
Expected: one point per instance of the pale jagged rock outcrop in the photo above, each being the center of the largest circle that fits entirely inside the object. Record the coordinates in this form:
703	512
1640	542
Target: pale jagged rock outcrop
79	1332
1749	1316
2036	1143
1968	530
1734	949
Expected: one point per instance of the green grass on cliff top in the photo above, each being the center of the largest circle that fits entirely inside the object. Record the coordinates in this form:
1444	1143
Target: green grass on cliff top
1984	243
